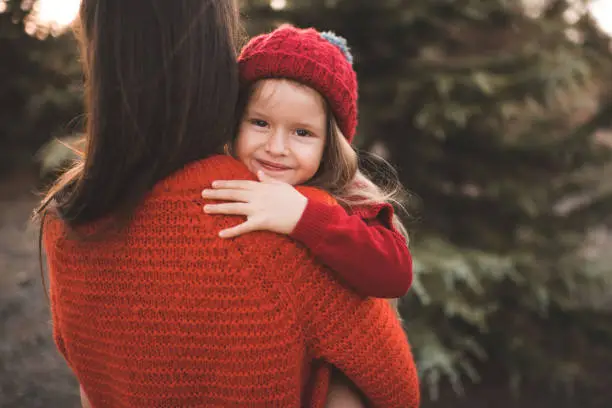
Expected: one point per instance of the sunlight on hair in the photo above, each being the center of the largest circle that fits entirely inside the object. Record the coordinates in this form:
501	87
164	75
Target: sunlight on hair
278	4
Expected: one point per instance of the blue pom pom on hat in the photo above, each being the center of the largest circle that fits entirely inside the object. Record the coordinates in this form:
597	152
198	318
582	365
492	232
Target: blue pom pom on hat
339	42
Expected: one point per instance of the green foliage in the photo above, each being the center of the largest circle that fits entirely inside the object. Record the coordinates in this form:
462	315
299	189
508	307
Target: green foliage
40	86
491	115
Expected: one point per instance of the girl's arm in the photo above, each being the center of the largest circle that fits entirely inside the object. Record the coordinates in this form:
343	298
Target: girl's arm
363	248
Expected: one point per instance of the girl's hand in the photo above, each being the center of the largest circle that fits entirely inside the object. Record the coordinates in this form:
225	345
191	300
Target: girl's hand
269	205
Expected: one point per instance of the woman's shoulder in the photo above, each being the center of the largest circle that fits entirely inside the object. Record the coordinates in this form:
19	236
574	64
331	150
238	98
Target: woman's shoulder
200	173
317	194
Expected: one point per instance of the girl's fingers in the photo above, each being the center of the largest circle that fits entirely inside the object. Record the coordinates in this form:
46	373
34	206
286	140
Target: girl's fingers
227	195
245	227
263	177
227	209
235	184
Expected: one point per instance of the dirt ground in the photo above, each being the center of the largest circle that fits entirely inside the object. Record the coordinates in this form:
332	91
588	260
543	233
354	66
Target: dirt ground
33	374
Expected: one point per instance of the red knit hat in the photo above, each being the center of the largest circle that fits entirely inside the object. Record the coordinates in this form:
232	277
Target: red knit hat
319	60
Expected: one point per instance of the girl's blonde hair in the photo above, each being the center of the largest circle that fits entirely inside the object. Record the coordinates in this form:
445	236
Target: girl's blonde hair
340	175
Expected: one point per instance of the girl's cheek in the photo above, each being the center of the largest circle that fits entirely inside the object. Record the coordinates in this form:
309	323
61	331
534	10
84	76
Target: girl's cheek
254	140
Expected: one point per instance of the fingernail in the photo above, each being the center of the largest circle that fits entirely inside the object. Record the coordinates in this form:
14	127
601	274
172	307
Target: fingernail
222	234
206	208
214	184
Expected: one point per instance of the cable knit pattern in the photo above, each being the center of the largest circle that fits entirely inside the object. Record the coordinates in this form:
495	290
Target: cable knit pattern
166	314
304	55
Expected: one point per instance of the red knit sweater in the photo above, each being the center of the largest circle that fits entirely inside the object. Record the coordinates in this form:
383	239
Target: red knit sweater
165	314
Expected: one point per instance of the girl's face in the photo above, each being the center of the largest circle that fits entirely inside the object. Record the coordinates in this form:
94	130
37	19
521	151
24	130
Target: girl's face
283	131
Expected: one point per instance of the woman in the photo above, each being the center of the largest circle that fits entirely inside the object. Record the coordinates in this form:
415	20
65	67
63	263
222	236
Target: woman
150	308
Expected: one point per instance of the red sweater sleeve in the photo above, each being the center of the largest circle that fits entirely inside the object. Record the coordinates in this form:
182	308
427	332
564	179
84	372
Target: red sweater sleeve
363	248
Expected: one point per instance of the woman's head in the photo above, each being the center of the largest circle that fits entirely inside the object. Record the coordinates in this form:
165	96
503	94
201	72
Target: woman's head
161	84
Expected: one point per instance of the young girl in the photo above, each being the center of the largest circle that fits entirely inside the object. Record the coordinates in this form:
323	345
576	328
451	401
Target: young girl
298	118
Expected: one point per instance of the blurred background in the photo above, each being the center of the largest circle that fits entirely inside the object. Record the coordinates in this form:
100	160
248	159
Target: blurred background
498	117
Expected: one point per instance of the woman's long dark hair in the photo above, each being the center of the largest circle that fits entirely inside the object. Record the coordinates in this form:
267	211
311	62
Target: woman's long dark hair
161	87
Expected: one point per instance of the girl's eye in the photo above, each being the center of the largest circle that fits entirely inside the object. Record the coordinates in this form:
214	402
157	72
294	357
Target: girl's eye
303	132
259	122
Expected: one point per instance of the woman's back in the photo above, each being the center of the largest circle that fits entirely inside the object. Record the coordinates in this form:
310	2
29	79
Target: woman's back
167	314
163	313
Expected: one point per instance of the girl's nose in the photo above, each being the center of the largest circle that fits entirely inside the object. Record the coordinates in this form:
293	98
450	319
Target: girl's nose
276	144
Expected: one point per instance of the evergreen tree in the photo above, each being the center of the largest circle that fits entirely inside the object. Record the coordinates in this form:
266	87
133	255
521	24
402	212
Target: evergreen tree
492	115
490	112
40	84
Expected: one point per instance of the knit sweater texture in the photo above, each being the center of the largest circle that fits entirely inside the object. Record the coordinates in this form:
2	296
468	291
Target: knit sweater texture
166	314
